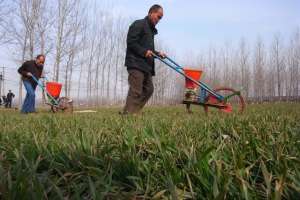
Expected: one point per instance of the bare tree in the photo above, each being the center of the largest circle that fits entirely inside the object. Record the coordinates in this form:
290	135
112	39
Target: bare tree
101	35
244	65
226	64
74	45
63	31
293	64
44	25
3	20
83	60
277	63
112	42
22	31
212	65
259	72
120	32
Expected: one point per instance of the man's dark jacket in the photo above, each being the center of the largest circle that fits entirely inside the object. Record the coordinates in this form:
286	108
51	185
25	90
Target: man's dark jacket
33	68
140	38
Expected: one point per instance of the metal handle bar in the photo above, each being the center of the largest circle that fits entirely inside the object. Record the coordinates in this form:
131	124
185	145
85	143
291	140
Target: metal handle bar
167	61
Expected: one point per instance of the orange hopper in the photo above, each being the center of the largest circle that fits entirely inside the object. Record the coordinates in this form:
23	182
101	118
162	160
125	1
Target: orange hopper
53	89
194	74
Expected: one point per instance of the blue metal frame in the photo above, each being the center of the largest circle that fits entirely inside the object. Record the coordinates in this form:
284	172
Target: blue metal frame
43	88
203	87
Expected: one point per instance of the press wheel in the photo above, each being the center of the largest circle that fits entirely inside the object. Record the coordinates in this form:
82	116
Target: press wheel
234	104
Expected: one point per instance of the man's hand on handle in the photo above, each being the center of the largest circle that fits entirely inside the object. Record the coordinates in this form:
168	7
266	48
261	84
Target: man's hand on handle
29	74
162	54
150	53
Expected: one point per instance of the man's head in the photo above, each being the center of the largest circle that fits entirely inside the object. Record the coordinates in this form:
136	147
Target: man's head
40	60
155	14
9	91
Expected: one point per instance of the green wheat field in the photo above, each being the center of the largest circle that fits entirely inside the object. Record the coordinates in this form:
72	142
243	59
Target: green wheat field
165	153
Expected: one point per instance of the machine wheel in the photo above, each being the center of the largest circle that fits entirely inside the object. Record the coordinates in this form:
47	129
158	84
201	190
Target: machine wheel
65	104
235	104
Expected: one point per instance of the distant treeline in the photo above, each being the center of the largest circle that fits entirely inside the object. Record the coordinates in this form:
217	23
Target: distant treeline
273	99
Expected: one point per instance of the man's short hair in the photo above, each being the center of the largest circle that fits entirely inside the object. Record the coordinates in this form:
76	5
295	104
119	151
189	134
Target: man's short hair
40	55
154	8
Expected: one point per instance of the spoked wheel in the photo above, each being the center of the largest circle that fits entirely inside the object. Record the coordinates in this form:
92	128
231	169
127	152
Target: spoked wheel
234	104
65	104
